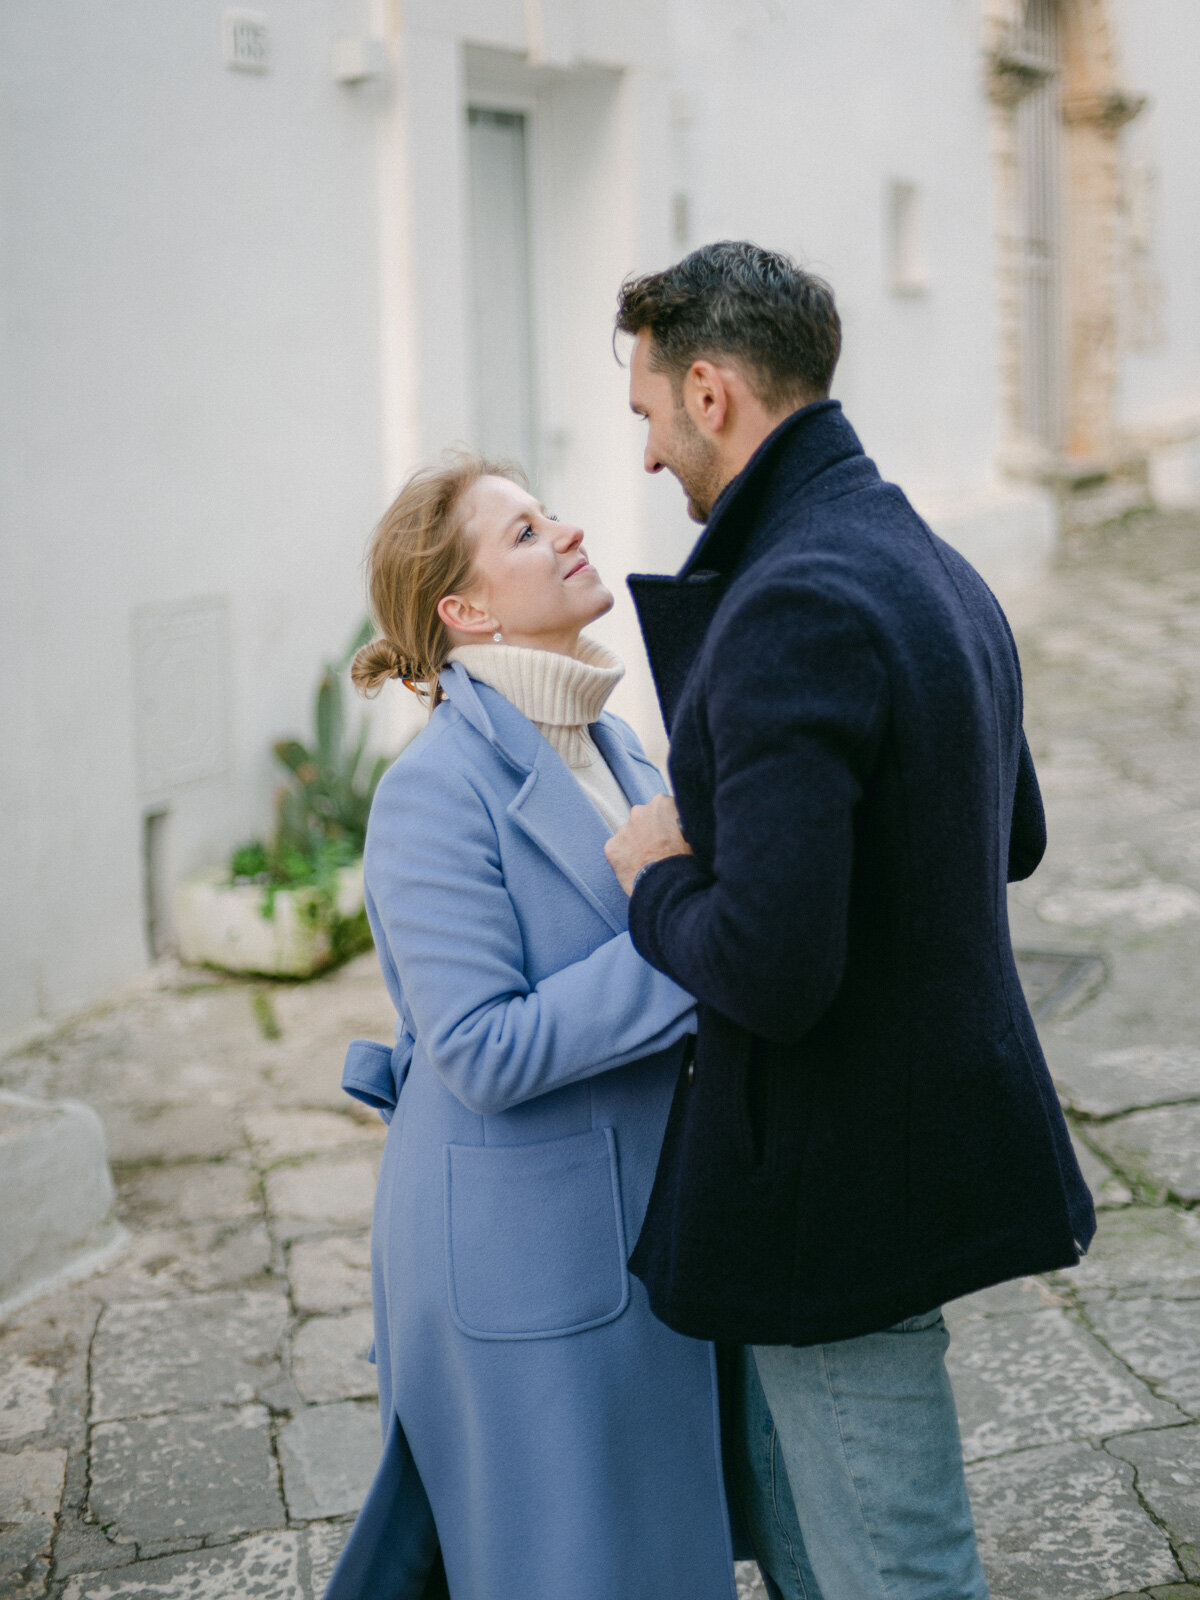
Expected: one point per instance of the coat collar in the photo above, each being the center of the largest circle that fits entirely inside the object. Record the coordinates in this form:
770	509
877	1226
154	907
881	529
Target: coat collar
812	456
797	457
550	807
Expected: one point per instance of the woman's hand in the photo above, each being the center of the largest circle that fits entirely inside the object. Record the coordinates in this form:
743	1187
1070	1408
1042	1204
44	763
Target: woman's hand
651	834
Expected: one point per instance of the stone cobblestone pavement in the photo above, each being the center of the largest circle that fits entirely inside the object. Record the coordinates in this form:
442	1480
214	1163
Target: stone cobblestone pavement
198	1422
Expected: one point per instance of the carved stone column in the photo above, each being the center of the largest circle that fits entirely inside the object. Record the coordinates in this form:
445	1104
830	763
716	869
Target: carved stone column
1009	77
1094	108
1092	118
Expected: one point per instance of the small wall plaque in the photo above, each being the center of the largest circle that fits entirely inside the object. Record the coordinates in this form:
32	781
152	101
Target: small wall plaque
246	41
181	690
359	59
905	242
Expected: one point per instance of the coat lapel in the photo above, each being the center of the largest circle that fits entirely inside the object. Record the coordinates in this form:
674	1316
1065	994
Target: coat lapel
550	808
814	451
674	614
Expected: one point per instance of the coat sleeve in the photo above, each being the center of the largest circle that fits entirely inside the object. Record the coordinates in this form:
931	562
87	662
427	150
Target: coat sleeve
794	712
1027	838
1027	828
434	870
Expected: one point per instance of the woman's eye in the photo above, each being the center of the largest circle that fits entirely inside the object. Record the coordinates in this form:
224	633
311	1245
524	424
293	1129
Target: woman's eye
527	529
552	517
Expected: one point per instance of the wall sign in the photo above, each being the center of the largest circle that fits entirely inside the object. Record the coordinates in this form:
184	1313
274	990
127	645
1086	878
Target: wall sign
245	40
181	693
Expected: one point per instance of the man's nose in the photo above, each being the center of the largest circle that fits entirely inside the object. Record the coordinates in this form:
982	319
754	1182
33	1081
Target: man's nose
650	461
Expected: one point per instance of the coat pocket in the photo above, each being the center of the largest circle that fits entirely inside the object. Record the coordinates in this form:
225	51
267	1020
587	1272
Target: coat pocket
535	1243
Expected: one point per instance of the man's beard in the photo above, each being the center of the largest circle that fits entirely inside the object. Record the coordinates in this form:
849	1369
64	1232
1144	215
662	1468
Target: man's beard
695	465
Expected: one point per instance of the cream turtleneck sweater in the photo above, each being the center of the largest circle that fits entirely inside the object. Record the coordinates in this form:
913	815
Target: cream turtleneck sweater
560	695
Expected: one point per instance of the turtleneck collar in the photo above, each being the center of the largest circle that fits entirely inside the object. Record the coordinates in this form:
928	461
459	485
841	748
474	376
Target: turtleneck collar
560	694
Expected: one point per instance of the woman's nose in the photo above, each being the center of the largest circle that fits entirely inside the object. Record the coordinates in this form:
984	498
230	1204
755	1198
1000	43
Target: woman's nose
568	537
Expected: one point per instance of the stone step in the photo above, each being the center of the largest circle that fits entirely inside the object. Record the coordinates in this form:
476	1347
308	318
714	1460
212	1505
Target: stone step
57	1218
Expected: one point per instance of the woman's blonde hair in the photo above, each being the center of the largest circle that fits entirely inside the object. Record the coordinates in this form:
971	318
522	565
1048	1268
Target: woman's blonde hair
418	554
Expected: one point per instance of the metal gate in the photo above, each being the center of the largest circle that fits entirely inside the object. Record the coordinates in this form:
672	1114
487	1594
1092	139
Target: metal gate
1043	359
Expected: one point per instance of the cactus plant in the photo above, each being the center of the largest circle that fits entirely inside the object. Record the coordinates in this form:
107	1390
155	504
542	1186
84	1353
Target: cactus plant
321	811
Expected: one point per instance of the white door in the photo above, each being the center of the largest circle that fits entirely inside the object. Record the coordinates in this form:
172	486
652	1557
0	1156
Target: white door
501	297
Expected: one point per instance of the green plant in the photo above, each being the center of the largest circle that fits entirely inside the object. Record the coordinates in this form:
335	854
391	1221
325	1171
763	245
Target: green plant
320	812
329	798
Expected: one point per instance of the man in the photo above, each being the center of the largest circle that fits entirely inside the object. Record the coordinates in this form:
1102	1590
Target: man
868	1129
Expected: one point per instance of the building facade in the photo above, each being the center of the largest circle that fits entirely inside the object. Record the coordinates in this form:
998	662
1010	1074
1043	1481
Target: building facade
256	264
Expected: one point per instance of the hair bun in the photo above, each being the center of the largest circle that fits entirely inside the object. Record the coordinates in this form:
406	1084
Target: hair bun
378	661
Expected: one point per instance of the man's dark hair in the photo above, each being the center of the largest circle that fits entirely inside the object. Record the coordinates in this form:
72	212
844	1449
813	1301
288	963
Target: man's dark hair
738	302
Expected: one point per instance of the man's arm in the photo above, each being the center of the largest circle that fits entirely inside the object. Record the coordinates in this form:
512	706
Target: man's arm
794	713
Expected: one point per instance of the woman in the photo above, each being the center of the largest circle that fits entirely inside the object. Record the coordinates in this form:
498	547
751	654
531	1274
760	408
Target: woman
567	1441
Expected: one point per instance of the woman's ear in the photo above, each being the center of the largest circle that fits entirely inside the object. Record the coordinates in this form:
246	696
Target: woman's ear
461	615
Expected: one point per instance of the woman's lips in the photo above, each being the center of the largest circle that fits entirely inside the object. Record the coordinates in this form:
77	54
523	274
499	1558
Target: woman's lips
580	566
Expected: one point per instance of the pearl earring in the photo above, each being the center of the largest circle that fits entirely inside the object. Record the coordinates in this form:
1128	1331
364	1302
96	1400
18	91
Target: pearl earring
498	636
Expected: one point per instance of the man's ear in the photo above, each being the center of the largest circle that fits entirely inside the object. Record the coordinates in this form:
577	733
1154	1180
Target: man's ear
706	396
464	616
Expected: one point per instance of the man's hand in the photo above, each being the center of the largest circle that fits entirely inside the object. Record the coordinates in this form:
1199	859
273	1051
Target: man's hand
651	834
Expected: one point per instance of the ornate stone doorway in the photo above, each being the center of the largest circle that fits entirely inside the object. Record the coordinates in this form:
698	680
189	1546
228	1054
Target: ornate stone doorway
1058	106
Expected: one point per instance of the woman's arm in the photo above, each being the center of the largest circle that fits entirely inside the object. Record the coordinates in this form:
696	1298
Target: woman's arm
433	864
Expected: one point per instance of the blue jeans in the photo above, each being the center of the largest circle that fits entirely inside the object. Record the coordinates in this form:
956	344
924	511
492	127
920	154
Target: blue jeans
856	1443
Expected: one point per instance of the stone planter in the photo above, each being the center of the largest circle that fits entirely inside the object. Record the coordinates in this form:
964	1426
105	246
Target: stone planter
219	924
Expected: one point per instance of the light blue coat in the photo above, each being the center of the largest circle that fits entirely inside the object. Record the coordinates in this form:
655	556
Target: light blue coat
568	1442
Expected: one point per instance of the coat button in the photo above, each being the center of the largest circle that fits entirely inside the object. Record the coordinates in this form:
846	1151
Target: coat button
691	1072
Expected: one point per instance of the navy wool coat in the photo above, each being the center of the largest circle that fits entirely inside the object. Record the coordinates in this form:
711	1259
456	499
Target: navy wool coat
869	1128
539	1421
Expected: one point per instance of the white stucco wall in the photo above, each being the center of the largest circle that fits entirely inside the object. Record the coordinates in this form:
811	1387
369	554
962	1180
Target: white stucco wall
191	409
233	316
